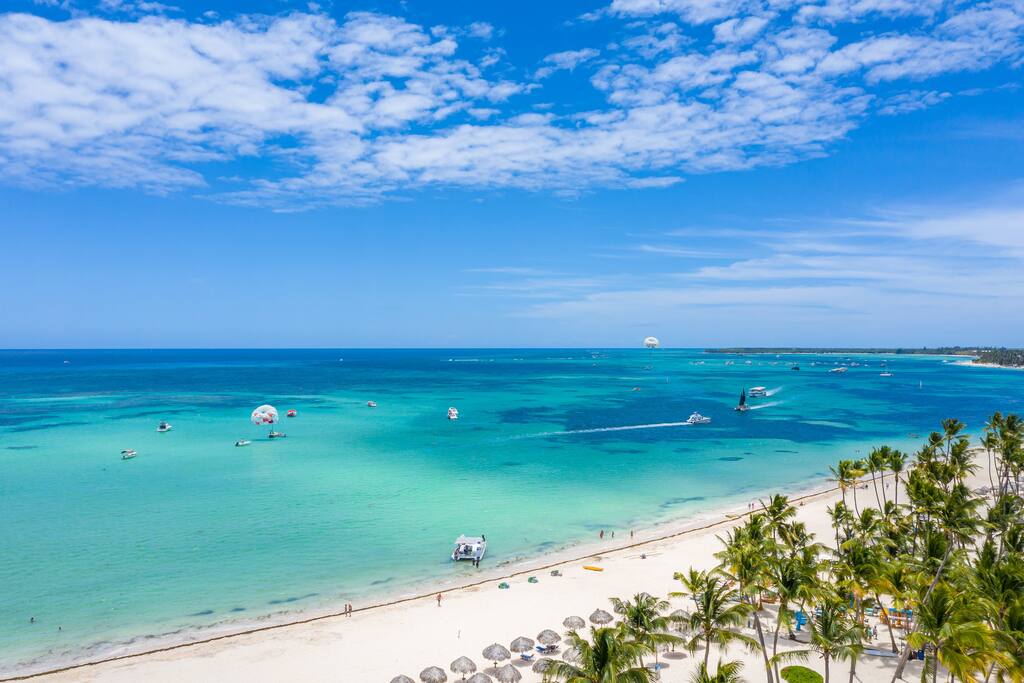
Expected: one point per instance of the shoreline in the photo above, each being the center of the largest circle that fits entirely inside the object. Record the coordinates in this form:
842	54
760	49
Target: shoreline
573	552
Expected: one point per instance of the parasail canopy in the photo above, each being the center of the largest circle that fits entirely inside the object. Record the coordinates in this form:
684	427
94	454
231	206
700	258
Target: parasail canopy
651	343
264	415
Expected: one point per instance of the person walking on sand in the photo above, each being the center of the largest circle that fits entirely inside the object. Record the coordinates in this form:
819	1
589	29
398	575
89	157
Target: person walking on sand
438	599
601	535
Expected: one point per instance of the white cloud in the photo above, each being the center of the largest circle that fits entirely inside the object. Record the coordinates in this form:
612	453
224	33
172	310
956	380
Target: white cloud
564	61
304	110
904	103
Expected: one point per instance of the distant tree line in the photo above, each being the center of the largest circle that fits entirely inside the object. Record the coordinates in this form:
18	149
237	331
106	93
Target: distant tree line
982	354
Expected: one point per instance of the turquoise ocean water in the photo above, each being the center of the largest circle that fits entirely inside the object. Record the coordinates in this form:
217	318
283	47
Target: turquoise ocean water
358	502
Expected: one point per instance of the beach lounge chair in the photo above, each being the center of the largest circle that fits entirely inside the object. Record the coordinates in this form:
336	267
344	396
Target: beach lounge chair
526	656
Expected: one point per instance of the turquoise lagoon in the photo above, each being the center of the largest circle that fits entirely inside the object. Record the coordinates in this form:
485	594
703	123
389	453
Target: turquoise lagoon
361	502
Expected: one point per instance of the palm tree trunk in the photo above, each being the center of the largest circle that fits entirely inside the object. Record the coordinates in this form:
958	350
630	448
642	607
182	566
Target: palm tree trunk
853	668
707	651
775	640
874	484
892	635
764	650
905	655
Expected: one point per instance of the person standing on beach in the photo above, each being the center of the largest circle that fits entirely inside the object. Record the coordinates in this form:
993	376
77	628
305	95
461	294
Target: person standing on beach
601	535
438	599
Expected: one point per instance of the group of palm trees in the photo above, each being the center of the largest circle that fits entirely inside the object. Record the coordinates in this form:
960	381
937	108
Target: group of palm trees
947	562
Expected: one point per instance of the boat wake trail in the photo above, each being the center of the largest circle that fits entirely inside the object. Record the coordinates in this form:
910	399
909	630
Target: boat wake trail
598	430
763	405
772	392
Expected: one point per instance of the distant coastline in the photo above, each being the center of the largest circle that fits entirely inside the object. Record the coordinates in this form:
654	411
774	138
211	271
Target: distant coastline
978	355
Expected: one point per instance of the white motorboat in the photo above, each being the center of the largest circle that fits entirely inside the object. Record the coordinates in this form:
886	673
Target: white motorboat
371	404
469	548
277	435
163	427
697	419
885	374
839	369
757	392
128	454
453	413
242	442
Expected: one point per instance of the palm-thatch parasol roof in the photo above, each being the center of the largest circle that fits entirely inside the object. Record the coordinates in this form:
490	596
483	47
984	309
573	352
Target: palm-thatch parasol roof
601	617
574	623
521	644
548	637
462	665
542	664
402	679
508	674
433	674
571	655
479	678
680	618
496	653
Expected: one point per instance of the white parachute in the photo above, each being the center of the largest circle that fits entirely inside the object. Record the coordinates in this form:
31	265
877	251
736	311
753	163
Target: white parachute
264	415
651	343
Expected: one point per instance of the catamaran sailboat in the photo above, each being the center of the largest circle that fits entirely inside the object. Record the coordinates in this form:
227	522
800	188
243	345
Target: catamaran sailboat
742	407
697	419
469	548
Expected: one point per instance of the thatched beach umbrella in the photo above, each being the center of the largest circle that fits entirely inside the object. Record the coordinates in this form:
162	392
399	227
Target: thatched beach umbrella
521	644
542	664
462	665
571	655
496	653
601	617
479	678
548	637
574	623
433	674
680	620
508	674
402	679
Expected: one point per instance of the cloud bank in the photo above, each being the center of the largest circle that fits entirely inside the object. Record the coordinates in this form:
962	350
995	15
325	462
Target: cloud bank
303	110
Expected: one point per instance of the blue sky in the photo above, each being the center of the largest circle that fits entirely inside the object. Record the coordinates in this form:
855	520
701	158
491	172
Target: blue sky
715	172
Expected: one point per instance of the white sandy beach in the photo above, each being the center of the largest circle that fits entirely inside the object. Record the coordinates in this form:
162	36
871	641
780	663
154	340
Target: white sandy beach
378	643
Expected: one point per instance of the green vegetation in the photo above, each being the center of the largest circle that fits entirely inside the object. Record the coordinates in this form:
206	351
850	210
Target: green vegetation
982	354
800	674
944	566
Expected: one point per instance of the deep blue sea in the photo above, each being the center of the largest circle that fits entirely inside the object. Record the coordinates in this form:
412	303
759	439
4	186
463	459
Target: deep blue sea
195	533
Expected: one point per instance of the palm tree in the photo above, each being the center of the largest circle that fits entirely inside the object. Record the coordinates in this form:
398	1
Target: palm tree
644	620
717	610
897	463
957	639
729	672
744	560
796	581
878	461
610	656
834	633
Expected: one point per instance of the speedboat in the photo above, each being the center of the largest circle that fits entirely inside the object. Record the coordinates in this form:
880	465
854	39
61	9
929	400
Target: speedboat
163	427
453	413
371	404
277	435
697	419
469	548
758	392
885	374
243	442
795	367
292	413
742	406
839	369
128	454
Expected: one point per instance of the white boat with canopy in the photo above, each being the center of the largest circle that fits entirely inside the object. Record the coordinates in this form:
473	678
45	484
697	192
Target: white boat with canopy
469	548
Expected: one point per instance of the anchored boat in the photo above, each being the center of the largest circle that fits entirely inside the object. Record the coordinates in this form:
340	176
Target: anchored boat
453	413
163	427
469	548
128	454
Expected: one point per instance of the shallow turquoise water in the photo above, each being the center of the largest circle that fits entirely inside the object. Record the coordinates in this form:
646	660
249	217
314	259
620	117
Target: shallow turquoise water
357	501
